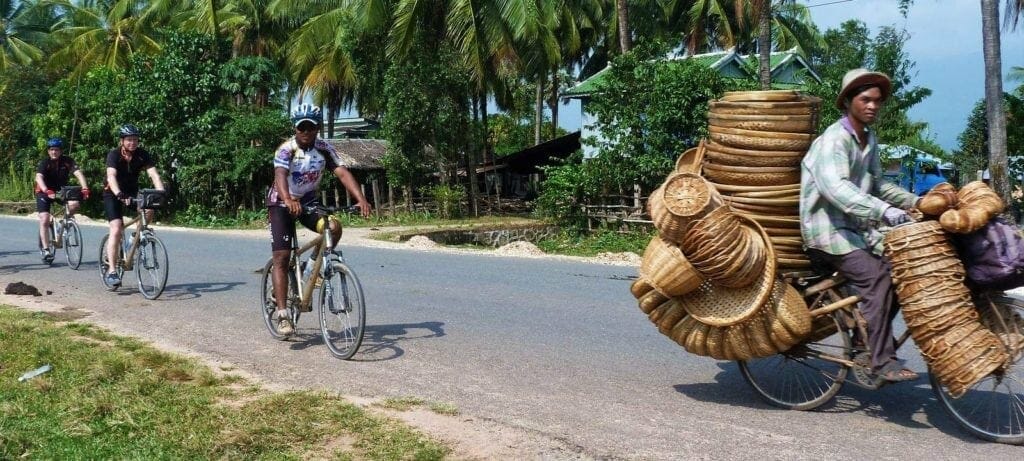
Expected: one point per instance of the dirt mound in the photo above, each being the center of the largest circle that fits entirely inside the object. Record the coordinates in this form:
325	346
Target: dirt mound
421	241
520	248
19	288
626	258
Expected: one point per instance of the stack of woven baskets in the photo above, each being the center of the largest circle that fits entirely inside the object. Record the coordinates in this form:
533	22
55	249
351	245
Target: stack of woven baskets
708	280
757	140
938	308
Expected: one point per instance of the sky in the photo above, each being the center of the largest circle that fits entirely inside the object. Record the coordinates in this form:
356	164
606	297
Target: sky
944	44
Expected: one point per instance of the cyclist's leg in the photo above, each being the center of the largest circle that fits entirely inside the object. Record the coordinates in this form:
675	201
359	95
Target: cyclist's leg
43	209
335	232
113	208
282	234
72	207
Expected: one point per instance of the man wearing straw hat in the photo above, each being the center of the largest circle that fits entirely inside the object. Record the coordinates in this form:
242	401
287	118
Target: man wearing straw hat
843	199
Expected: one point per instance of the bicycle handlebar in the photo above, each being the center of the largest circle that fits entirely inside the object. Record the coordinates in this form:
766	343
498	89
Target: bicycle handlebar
320	209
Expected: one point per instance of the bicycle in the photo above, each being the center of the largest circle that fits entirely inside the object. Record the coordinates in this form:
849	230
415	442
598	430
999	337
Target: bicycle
140	248
811	374
340	303
64	232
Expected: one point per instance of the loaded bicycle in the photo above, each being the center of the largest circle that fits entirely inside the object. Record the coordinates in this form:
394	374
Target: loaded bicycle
63	231
973	342
141	250
324	280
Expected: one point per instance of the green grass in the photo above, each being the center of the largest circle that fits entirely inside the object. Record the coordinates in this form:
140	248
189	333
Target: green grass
110	397
408	403
600	241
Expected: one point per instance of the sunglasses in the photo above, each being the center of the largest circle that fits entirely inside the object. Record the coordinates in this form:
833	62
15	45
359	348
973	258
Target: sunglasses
307	128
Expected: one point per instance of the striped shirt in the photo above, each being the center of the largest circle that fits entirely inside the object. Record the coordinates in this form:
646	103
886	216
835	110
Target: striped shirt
843	194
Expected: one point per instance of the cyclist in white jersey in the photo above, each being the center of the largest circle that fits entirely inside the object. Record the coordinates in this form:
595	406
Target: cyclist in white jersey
298	165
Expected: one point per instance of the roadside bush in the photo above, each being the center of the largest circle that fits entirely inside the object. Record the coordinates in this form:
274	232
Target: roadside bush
449	199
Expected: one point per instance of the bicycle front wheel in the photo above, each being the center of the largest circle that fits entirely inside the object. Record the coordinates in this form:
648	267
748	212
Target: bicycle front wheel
802	378
342	311
105	263
151	266
73	244
993	408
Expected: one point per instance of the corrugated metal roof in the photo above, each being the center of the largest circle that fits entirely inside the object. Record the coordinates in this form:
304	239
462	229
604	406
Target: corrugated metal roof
360	154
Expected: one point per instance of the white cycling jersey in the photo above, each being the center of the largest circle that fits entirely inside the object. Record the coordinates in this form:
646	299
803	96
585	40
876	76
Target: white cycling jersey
305	166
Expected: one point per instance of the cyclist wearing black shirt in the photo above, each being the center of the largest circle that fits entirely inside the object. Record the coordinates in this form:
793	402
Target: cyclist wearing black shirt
124	163
53	173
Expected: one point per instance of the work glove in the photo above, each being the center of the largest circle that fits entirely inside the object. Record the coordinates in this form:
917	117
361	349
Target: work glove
894	216
85	193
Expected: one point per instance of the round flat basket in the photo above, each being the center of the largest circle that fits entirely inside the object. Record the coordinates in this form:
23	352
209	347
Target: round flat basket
735	188
721	306
761	95
688	195
774	221
807	106
803	124
723	158
752	176
760	140
770	201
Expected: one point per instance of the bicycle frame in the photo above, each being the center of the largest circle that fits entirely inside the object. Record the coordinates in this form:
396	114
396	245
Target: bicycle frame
141	223
320	246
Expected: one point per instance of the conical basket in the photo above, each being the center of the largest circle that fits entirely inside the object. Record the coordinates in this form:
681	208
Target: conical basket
667	270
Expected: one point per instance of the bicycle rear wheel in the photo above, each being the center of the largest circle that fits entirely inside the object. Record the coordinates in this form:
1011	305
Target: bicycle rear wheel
993	408
342	311
268	303
801	378
151	265
105	263
73	244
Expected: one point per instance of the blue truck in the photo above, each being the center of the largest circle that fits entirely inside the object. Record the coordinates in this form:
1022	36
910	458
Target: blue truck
918	175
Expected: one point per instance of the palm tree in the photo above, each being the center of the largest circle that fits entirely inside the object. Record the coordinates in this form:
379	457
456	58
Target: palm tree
994	112
622	15
15	31
101	32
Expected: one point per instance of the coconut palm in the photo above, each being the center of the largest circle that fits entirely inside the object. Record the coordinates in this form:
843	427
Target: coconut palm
101	32
994	112
17	33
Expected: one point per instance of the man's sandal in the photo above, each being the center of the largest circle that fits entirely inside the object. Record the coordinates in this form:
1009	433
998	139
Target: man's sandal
893	372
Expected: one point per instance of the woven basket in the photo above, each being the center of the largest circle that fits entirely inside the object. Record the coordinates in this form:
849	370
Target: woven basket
674	313
936	268
683	198
759	335
690	160
916	235
714	343
716	305
751	176
697	341
640	287
667	270
651	301
767	202
683	329
760	140
745	270
775	221
762	95
807	106
764	210
779	194
736	188
736	342
720	225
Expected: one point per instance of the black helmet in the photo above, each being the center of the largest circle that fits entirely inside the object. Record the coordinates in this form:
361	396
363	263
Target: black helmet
129	130
54	142
306	113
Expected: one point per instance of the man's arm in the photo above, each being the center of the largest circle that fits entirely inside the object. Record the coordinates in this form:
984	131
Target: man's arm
155	177
112	181
40	183
281	184
352	186
889	192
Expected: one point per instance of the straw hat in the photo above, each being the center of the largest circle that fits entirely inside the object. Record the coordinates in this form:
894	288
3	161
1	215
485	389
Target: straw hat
857	78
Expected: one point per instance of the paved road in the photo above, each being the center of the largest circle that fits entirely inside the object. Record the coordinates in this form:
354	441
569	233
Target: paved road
557	348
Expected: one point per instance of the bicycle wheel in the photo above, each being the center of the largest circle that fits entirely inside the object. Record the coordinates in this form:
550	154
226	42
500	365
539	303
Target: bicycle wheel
993	408
72	236
105	263
801	378
151	265
342	311
268	303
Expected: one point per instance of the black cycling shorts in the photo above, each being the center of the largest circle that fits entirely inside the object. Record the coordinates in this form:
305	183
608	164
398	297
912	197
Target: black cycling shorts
112	207
282	226
43	203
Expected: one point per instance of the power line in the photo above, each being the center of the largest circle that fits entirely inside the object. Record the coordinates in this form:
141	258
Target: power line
829	3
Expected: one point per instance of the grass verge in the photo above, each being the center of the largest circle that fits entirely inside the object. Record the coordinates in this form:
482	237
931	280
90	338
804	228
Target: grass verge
599	241
110	397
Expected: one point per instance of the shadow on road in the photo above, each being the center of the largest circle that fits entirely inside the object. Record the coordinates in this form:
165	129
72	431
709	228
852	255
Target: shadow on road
195	290
897	403
380	342
16	253
16	268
